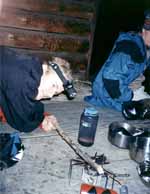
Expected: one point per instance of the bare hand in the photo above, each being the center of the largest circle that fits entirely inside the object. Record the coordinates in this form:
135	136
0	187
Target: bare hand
49	123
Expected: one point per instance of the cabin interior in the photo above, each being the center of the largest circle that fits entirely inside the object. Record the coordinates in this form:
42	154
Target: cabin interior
82	32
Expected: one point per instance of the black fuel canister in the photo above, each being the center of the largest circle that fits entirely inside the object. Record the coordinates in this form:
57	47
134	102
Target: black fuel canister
88	125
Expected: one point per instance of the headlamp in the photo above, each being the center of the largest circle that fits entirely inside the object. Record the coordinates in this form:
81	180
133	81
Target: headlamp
68	85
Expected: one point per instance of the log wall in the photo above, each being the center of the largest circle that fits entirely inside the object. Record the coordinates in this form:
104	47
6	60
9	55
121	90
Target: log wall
49	28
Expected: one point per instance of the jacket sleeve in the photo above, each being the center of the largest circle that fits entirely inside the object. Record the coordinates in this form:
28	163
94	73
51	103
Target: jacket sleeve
19	89
23	113
115	77
122	68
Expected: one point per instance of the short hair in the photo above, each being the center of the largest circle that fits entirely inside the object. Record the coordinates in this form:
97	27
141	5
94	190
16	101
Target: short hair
63	65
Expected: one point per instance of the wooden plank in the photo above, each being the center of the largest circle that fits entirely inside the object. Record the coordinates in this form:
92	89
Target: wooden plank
67	43
41	40
63	7
43	22
78	61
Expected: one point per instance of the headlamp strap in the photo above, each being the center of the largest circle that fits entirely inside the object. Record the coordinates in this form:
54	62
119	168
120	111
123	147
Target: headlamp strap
58	71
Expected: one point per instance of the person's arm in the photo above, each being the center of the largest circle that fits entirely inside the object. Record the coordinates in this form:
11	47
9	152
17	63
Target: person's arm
24	116
19	89
121	68
115	77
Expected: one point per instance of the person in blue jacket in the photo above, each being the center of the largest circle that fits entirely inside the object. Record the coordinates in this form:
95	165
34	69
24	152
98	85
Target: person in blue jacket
24	82
127	61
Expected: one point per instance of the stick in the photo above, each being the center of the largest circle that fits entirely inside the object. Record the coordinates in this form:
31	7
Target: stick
83	155
79	152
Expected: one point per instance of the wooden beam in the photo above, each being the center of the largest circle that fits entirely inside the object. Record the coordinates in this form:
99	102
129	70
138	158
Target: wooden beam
44	22
77	61
65	7
43	41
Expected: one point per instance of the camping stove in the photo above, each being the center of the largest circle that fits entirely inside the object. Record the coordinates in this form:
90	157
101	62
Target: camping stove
95	183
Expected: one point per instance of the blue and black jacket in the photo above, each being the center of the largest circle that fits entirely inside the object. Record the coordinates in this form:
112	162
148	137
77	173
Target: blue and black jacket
125	63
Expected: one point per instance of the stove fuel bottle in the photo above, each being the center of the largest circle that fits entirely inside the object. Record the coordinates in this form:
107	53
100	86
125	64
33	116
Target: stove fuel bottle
88	124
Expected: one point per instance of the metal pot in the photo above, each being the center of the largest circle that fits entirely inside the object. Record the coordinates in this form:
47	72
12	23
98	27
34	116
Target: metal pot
144	172
140	147
121	134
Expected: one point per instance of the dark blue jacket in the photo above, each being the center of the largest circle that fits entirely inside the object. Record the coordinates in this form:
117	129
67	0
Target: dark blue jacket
125	63
19	80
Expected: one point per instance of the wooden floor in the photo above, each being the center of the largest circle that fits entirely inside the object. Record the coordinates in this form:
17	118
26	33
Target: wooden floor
45	165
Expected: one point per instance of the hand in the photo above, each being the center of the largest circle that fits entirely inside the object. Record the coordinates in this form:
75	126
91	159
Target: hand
136	84
49	123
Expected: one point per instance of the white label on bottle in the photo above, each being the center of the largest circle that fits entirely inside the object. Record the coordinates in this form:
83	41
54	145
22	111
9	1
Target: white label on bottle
85	124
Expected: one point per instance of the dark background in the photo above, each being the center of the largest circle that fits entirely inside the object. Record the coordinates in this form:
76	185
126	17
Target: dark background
112	17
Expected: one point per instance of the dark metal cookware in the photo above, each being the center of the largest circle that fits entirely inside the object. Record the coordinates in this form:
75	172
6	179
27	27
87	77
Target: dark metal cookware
140	147
122	134
144	172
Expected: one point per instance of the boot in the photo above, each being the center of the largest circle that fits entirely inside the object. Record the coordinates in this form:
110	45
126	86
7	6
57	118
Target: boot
136	110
